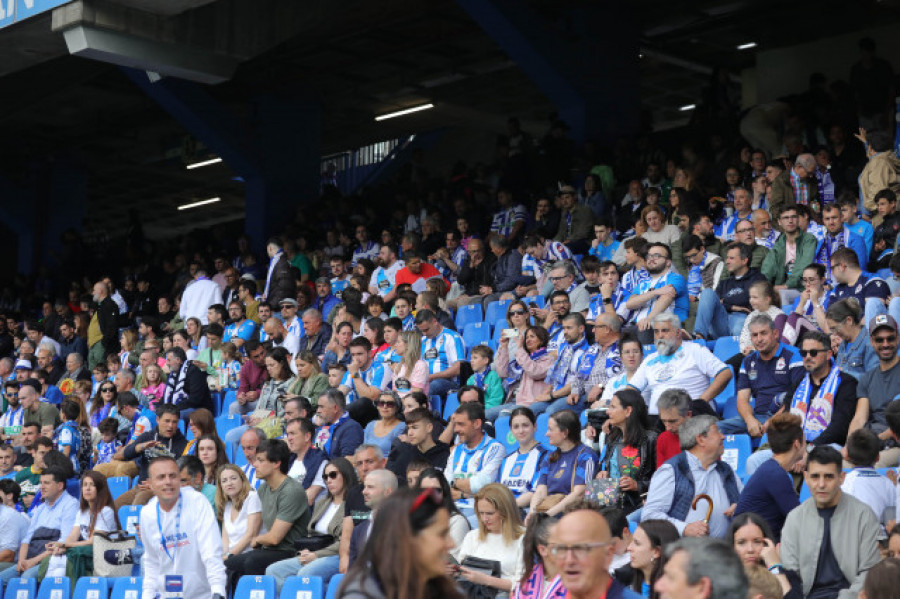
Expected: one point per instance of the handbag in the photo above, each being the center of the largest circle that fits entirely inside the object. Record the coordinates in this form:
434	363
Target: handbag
604	491
313	543
484	566
551	500
113	553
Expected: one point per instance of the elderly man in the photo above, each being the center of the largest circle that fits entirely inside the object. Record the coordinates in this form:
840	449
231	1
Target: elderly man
742	212
316	334
678	365
745	232
702	569
765	234
198	296
665	291
674	410
582	549
796	186
697	470
600	363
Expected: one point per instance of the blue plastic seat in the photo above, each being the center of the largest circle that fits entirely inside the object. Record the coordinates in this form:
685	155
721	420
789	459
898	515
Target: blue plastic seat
540	431
91	587
498	331
226	423
496	312
127	588
468	314
729	409
333	585
537	300
58	587
21	588
252	586
450	406
737	450
726	347
503	434
306	587
118	485
476	333
129	517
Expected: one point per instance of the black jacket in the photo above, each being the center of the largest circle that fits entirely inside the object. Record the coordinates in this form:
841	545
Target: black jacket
108	319
174	445
647	453
283	284
735	291
319	343
403	453
196	388
471	278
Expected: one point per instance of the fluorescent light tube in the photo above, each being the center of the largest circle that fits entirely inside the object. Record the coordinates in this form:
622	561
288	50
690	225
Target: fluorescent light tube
405	111
200	203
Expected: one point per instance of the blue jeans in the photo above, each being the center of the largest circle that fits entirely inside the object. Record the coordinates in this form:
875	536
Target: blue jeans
493	413
737	426
11	573
324	567
713	321
558	405
875	306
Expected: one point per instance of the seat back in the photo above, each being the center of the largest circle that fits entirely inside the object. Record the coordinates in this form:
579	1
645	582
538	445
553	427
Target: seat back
58	587
496	312
476	333
302	587
127	588
503	434
333	585
129	517
737	450
91	587
468	314
450	406
118	485
257	587
21	588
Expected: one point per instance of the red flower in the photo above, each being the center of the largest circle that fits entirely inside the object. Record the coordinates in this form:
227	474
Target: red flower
629	452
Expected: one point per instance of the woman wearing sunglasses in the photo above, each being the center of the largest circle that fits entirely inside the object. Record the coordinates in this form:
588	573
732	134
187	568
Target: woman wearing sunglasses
388	426
325	525
103	403
406	555
524	373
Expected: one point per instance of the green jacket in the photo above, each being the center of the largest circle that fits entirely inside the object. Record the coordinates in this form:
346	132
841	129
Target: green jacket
773	266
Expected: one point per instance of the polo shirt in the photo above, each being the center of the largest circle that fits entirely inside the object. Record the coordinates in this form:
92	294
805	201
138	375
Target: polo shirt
377	375
866	286
442	351
769	380
44	415
691	368
679	306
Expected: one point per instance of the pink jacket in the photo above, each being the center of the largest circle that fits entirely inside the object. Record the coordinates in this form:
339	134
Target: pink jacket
533	373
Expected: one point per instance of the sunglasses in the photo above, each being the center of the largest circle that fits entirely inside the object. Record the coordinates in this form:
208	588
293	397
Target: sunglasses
811	352
332	475
384	404
107	389
517	312
879	340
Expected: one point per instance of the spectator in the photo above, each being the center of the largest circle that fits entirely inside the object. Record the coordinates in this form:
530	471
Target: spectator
881	580
782	272
674	409
575	222
709	566
339	435
443	350
723	312
870	291
540	256
310	381
648	543
250	441
410	372
419	444
307	462
837	236
855	355
186	387
863	481
524	374
388	426
664	291
475	460
795	186
881	170
539	571
316	333
521	468
564	473
280	281
253	376
475	272
878	386
562	377
103	338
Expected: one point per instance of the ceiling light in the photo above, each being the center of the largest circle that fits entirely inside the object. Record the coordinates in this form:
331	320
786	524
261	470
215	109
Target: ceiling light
391	115
747	46
194	165
200	203
687	107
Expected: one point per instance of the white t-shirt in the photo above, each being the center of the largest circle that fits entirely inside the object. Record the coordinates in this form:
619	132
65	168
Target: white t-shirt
873	489
106	522
237	528
298	473
691	368
322	525
12	528
493	547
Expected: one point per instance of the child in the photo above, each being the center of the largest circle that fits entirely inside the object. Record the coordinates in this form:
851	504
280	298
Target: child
764	300
112	366
590	267
230	370
484	377
47	431
336	374
98	376
108	444
439	289
863	481
67	438
635	253
154	384
610	289
392	328
403	311
375	307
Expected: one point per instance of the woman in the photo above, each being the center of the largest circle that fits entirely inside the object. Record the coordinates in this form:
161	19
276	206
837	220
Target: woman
200	423
520	469
154	384
807	313
194	328
630	454
753	542
763	300
646	550
465	232
411	372
103	403
388	426
659	232
431	478
565	472
325	525
97	513
82	392
373	330
678	199
540	578
310	381
498	538
881	580
211	452
239	510
524	376
338	349
519	319
127	340
406	555
181	339
632	354
854	355
270	406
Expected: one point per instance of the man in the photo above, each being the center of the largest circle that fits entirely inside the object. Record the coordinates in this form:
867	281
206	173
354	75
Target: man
765	377
449	259
141	419
600	363
364	381
198	296
340	278
698	469
247	296
193	472
882	171
878	387
745	232
850	215
307	461
250	441
506	273
702	569
475	460
384	278
241	329
704	269
664	292
29	478
366	248
367	458
563	376
474	273
316	334
796	186
417	271
742	212
186	386
576	221
37	411
280	281
253	376
722	312
443	350
230	291
34	330
338	435
182	543
7	463
678	365
540	256
870	291
378	486
782	272
703	227
325	301
629	210
563	277
674	410
830	540
285	514
24	368
610	299
837	236
766	236
46	359
70	342
281	337
510	220
49	522
419	445
103	330
603	246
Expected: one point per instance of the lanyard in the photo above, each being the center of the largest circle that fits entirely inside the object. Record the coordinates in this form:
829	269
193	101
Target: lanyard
162	536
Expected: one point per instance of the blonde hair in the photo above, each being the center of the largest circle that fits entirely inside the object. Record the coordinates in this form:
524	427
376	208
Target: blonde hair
413	353
762	583
503	501
130	337
230	351
158	370
222	499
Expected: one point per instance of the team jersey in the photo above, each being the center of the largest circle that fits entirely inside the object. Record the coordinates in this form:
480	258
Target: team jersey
520	471
535	267
243	331
481	464
679	305
338	285
866	286
368	250
442	351
384	279
725	231
377	375
504	220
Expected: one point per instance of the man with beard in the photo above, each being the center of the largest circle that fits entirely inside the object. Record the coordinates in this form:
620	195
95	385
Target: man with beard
678	365
664	292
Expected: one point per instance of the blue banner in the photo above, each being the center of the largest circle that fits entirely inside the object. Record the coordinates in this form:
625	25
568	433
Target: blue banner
14	11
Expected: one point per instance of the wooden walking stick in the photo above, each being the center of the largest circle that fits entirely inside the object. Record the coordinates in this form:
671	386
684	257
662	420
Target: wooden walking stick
709	507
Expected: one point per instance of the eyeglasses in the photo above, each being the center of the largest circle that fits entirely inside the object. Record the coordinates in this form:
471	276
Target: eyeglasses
558	278
811	352
433	496
579	551
384	404
517	312
878	340
662	256
107	389
8	395
332	475
810	279
744	230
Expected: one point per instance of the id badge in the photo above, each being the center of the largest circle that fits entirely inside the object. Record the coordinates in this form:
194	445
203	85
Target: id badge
174	587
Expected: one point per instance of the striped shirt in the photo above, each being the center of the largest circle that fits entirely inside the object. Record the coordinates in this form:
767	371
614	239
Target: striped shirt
445	349
504	220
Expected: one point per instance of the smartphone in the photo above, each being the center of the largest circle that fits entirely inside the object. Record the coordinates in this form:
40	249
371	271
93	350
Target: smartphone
510	333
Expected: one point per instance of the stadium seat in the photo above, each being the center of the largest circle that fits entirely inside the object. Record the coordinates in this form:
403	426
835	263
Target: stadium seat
498	331
91	587
726	396
129	516
21	588
805	493
127	588
468	314
118	485
257	587
537	300
503	434
496	312
333	585
306	587
737	450
228	398
239	459
540	431
226	423
450	406
73	488
476	333
57	587
726	347
729	409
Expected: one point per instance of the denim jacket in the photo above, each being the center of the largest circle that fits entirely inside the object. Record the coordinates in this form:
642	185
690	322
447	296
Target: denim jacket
858	356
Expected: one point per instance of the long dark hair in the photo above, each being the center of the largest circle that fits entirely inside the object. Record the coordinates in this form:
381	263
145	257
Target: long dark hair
742	520
536	533
568	422
660	533
636	424
348	473
445	488
281	355
390	556
221	458
104	499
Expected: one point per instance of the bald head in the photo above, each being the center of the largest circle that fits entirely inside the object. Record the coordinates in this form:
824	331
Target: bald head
273	327
587	569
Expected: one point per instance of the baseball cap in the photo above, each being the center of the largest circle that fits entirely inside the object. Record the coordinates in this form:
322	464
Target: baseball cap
566	189
24	365
881	321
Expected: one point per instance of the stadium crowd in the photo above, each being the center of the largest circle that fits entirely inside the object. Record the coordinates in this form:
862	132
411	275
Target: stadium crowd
673	376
